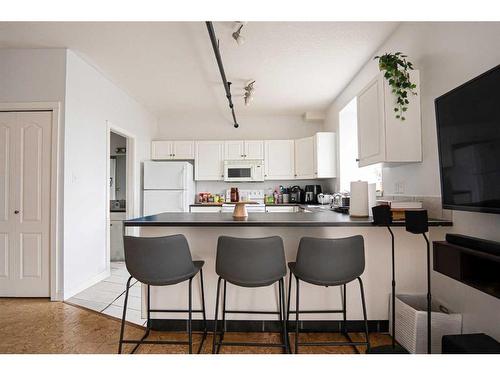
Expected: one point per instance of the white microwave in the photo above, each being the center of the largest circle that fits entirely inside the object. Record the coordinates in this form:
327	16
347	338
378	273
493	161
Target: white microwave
243	170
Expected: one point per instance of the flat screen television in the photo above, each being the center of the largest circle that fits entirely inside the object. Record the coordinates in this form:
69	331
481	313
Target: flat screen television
468	129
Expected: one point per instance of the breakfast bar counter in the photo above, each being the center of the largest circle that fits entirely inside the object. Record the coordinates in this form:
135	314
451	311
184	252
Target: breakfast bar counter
202	231
317	218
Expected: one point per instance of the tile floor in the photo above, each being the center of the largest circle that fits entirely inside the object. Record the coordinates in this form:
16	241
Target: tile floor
107	296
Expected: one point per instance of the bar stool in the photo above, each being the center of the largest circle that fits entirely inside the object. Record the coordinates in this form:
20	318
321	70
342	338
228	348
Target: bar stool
162	261
250	263
328	262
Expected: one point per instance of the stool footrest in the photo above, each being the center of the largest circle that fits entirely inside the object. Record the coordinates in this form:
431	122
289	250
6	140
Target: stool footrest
155	342
316	312
251	312
266	345
332	343
175	311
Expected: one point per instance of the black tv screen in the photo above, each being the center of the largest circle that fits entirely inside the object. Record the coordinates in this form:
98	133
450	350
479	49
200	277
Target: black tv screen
468	128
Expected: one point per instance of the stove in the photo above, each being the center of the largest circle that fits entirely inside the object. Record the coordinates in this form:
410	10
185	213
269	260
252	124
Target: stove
247	195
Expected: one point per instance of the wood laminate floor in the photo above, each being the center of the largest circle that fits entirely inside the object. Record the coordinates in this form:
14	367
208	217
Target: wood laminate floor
41	326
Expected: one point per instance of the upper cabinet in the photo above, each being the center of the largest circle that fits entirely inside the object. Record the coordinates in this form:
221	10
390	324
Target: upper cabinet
304	158
279	160
239	150
315	157
172	150
209	160
381	136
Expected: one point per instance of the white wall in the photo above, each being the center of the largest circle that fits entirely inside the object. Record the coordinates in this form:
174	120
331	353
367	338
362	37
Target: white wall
91	101
216	125
37	75
447	54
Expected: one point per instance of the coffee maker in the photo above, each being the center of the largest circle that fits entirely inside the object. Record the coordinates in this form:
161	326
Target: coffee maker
311	194
296	194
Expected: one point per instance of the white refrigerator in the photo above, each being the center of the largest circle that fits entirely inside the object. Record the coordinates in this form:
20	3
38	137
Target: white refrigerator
168	187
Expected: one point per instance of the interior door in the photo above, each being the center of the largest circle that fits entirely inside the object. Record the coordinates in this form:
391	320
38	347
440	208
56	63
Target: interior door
25	144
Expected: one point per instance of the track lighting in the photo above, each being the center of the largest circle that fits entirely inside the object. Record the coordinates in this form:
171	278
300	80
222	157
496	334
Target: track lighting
238	37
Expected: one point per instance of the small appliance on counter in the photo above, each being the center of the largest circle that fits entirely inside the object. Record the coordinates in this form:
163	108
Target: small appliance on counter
325	198
296	194
311	194
341	202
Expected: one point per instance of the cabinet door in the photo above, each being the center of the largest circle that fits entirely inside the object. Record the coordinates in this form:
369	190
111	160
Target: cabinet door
210	210
183	150
304	158
254	150
279	160
161	150
116	240
209	160
234	150
371	133
325	155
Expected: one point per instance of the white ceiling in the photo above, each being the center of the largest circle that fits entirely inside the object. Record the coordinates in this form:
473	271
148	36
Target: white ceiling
170	66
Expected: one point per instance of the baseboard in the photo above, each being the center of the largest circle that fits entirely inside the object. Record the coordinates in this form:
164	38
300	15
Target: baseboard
87	284
272	325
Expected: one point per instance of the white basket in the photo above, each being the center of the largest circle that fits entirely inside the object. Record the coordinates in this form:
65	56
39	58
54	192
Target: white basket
411	323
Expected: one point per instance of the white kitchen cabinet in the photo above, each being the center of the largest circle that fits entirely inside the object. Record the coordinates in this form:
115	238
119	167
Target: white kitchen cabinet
206	209
381	136
304	158
239	150
116	236
209	161
254	149
274	209
172	150
325	155
279	159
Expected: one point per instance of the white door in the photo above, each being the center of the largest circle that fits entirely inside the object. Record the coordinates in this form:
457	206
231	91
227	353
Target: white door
161	150
209	160
371	133
304	158
279	159
25	149
254	150
158	201
234	150
183	150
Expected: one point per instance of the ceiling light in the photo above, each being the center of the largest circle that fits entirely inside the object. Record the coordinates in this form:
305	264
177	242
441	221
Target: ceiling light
248	92
238	37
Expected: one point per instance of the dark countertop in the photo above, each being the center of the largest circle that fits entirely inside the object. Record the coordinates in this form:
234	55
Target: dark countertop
317	218
267	204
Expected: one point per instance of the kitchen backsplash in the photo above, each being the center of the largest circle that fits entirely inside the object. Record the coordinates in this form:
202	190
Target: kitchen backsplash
219	186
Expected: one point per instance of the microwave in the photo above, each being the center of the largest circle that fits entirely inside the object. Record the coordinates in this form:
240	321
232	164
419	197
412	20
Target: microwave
243	170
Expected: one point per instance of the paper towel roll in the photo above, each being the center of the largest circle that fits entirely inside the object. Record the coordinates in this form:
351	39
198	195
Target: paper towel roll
358	204
372	197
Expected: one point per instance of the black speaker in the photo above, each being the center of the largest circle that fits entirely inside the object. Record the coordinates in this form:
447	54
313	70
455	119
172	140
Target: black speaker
382	215
416	221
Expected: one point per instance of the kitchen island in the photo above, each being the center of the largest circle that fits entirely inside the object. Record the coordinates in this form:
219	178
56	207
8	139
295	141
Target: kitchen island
203	229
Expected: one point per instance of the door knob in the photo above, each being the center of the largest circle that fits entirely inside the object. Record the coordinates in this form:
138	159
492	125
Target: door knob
16	212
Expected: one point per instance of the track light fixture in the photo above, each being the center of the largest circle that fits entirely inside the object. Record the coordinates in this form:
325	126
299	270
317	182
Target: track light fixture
248	92
237	35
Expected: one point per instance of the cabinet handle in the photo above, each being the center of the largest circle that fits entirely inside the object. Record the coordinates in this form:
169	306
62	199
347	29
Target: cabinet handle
16	212
357	159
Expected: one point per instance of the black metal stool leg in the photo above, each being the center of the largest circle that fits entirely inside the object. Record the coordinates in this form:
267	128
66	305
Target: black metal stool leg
283	319
344	309
223	312
203	312
122	328
297	317
364	314
190	318
214	346
289	298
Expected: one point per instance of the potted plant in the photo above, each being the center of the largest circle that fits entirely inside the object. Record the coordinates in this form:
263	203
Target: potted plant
397	73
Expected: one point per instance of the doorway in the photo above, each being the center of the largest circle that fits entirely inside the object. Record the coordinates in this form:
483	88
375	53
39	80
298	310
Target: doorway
26	140
107	296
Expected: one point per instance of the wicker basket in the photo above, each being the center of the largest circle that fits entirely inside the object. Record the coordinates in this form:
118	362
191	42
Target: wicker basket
411	323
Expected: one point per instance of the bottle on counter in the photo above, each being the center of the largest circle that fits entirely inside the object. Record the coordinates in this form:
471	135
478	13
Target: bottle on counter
235	195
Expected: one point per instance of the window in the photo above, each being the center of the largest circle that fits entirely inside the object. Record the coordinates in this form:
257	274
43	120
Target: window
348	152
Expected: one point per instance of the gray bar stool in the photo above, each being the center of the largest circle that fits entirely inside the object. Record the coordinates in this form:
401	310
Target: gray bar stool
162	261
328	262
250	263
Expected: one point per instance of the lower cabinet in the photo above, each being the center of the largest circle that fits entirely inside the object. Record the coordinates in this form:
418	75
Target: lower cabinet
272	209
210	209
116	240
